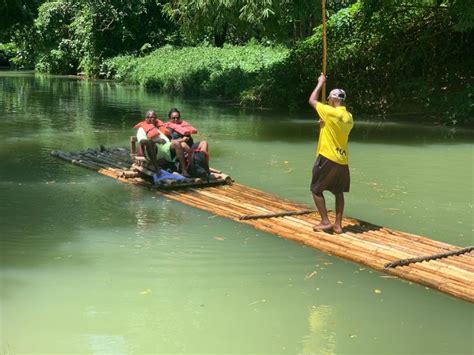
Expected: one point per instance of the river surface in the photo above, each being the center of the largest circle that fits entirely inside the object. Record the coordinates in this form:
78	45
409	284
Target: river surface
93	266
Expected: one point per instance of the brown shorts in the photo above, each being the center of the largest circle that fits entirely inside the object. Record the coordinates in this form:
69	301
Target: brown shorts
330	176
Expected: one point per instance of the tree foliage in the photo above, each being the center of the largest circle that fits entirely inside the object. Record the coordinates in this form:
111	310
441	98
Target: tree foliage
15	14
238	21
460	12
218	72
77	35
405	59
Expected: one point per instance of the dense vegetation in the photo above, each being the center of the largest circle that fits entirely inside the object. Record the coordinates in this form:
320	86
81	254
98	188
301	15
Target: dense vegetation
394	57
205	71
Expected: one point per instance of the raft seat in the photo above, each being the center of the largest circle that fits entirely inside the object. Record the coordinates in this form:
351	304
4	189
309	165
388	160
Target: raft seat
144	168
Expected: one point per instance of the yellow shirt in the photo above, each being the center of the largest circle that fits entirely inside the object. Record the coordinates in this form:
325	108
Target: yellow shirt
334	133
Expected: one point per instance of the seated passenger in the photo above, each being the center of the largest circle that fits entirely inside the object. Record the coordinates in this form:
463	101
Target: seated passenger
157	147
182	131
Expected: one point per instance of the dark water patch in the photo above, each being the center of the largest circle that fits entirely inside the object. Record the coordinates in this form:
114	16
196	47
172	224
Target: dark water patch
363	131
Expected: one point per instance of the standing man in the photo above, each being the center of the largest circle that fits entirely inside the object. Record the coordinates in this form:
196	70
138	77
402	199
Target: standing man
331	169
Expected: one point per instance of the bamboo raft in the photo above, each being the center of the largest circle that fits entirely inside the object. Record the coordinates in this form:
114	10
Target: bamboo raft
441	266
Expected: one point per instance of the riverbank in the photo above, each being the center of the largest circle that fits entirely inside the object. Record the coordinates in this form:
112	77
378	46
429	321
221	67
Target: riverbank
380	79
224	73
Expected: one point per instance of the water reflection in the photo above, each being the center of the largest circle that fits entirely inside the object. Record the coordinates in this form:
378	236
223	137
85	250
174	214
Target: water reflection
101	109
322	335
107	344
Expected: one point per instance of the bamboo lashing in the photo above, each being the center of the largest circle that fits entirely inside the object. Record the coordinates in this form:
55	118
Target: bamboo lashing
362	242
276	214
404	262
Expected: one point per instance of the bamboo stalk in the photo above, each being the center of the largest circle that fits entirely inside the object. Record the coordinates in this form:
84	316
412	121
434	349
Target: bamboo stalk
128	174
86	165
103	161
143	170
115	159
256	199
226	178
133	146
414	237
77	161
277	214
193	201
268	200
121	157
265	195
221	201
91	158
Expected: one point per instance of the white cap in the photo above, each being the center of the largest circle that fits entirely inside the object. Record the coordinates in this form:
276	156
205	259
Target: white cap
337	94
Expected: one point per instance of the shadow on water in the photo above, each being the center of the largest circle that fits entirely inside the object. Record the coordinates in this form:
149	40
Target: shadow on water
367	132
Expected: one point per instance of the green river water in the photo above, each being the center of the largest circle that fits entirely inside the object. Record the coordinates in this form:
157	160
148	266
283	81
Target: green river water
93	266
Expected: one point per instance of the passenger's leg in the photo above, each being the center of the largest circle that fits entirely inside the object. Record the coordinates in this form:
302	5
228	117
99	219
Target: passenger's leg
203	146
187	149
339	209
180	155
320	203
150	148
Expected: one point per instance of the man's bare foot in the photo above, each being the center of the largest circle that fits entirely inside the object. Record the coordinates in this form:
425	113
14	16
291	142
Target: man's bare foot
322	227
337	229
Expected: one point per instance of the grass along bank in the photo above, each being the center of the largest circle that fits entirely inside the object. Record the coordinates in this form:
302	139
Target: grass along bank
224	73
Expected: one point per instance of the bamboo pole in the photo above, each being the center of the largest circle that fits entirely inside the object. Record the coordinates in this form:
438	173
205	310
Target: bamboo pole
323	91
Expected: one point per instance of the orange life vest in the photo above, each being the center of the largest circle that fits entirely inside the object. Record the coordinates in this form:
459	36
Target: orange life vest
150	129
183	128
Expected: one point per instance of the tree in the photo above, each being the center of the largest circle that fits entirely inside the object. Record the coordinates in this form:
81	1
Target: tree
15	14
220	21
461	11
79	34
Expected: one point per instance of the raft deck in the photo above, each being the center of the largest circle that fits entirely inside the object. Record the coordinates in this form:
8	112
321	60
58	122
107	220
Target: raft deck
361	242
